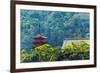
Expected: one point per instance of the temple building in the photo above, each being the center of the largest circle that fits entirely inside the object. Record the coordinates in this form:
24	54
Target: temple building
39	40
68	41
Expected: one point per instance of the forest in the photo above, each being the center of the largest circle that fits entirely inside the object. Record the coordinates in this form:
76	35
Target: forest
56	26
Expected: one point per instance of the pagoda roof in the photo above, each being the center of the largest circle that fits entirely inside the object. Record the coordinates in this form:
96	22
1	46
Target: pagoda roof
39	36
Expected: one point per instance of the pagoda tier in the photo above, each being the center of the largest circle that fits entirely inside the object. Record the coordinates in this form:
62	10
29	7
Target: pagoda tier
39	40
39	43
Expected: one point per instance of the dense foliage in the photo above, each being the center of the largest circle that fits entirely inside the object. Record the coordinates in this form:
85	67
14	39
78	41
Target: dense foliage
73	51
45	53
52	24
76	51
25	56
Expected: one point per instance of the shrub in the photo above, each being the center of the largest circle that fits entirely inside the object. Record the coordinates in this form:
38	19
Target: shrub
45	53
76	51
25	56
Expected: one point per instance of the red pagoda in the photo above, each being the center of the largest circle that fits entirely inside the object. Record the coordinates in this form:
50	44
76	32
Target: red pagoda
39	40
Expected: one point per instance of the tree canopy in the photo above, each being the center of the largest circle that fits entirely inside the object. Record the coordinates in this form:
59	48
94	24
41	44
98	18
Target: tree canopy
55	25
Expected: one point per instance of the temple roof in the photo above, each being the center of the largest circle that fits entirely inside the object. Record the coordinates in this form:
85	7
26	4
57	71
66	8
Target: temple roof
39	36
76	38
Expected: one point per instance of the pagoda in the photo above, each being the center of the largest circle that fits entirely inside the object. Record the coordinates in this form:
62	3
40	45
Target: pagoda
39	40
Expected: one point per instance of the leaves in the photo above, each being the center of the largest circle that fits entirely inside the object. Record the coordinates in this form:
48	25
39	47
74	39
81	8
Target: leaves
77	51
55	25
45	53
25	56
73	51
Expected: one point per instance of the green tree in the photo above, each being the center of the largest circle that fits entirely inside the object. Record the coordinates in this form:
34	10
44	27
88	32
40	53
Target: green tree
45	53
25	56
76	51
